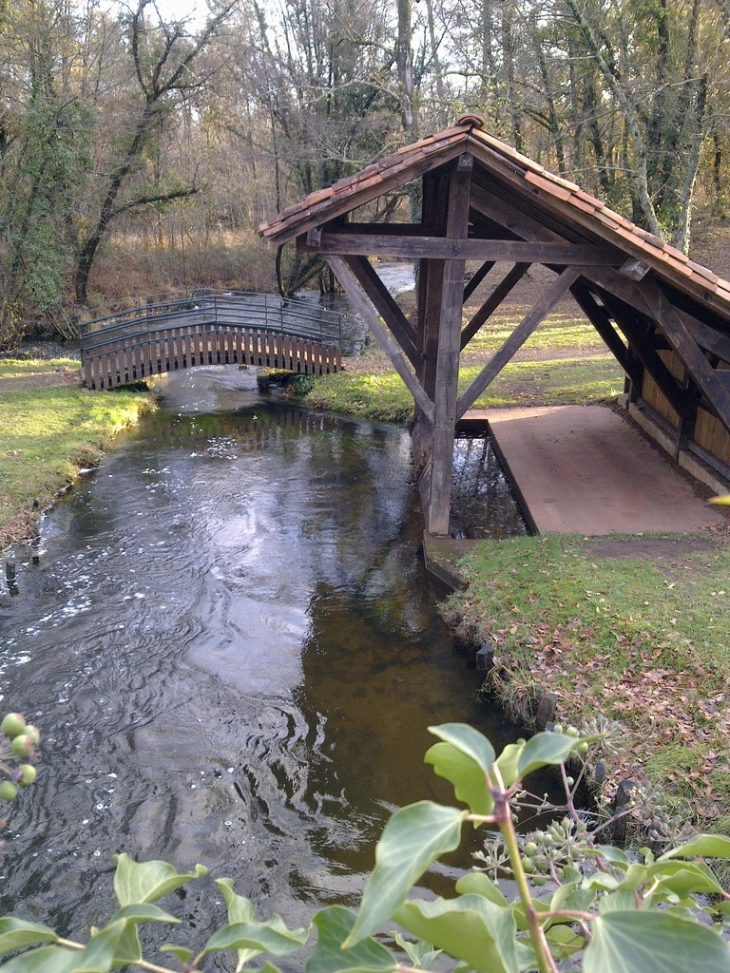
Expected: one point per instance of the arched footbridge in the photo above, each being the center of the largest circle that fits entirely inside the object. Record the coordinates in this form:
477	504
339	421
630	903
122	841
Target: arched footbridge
210	328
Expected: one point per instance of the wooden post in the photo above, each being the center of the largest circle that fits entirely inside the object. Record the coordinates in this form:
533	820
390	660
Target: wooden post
449	348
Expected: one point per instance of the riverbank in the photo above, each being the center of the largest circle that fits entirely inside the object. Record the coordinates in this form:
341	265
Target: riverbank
50	427
634	628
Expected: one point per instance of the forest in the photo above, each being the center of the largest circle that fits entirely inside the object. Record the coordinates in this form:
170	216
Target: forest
138	152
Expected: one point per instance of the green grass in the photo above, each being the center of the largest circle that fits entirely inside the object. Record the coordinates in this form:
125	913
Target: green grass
556	331
560	382
644	641
46	433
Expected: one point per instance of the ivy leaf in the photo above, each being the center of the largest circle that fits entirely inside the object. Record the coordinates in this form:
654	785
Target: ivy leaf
413	838
123	939
653	942
240	909
509	761
467	740
479	883
468	778
545	750
421	954
182	952
684	878
334	924
16	933
470	928
141	912
263	937
146	881
47	959
701	846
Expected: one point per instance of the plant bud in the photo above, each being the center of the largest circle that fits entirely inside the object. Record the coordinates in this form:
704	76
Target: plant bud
28	774
8	791
22	746
13	725
34	733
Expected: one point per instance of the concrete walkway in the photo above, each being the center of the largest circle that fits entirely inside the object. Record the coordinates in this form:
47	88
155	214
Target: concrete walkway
588	470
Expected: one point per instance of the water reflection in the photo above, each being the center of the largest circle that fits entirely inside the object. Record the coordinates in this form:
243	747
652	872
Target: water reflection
234	654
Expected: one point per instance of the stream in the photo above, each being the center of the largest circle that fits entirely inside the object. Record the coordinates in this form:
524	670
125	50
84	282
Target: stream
233	652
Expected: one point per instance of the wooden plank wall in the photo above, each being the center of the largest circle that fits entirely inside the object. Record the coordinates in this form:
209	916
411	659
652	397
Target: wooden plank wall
710	436
119	362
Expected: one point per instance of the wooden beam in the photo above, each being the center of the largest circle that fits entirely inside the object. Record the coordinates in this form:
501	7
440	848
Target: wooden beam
430	286
447	361
452	248
519	336
364	307
394	177
602	322
386	307
641	341
708	338
476	279
680	338
499	293
500	211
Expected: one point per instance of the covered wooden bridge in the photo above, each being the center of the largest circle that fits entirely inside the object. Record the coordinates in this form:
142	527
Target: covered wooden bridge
665	318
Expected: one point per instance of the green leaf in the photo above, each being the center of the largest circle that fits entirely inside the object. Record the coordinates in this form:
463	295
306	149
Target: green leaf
15	934
468	740
264	937
685	878
141	912
47	959
470	783
334	925
508	762
653	942
570	897
182	952
636	876
470	928
701	846
240	909
146	881
610	854
564	940
421	954
479	883
413	838
545	750
124	943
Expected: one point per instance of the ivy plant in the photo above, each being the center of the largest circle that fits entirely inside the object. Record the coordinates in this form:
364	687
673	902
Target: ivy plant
580	904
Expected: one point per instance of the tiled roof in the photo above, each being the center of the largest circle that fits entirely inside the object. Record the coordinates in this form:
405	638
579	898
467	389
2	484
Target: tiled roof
542	188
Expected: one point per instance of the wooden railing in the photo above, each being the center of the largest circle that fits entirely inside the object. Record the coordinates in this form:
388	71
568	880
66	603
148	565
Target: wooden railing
207	329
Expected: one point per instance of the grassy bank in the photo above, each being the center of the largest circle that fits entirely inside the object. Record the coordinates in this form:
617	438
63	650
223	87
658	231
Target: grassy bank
49	427
382	394
634	628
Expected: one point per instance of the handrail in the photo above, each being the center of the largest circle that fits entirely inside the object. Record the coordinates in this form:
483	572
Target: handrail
264	312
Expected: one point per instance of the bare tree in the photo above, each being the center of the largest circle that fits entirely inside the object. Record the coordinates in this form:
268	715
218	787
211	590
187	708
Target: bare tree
164	57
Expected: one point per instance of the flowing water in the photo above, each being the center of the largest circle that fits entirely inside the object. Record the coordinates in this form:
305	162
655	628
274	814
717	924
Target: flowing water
234	653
